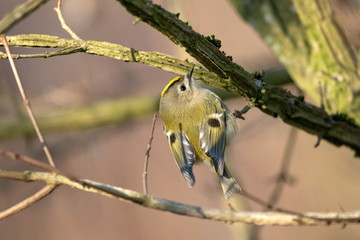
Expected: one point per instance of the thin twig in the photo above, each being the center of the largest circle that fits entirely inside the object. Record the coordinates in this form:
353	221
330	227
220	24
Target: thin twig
147	155
239	114
283	175
26	103
267	205
318	141
322	106
62	21
43	192
48	188
31	161
281	178
258	218
36	163
61	52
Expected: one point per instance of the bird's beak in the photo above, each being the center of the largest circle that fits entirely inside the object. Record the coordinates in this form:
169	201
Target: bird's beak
188	78
189	75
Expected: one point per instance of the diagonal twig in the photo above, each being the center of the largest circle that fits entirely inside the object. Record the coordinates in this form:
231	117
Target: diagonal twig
63	23
43	192
31	161
27	202
147	155
283	176
26	103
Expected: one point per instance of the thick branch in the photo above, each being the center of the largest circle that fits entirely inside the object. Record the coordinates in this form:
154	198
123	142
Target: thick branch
259	218
109	112
69	46
271	100
116	51
310	42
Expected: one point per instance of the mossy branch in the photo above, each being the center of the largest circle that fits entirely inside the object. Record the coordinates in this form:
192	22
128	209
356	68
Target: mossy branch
116	51
271	100
311	43
91	116
108	112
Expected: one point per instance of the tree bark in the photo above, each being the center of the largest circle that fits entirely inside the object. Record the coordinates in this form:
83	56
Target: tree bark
312	45
271	100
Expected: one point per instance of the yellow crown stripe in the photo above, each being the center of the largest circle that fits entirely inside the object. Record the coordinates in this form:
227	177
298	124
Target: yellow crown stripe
169	84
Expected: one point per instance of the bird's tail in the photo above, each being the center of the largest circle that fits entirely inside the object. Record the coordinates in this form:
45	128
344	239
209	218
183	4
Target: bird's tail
229	184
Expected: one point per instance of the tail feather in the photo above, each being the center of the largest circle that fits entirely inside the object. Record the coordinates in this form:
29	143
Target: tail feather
229	184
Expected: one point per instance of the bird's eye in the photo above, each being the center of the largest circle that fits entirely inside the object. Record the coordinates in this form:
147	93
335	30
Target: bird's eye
182	88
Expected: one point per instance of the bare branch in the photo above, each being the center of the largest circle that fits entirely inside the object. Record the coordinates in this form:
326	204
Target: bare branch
43	192
147	155
283	176
60	52
62	21
31	161
48	188
258	218
26	103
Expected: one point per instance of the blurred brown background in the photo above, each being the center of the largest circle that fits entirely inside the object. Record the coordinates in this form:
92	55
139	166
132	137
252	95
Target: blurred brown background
327	178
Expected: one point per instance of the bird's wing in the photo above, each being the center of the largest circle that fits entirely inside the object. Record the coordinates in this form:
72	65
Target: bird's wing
212	134
183	153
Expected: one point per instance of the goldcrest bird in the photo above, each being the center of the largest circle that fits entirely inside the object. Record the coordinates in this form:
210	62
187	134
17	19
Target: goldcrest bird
198	126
